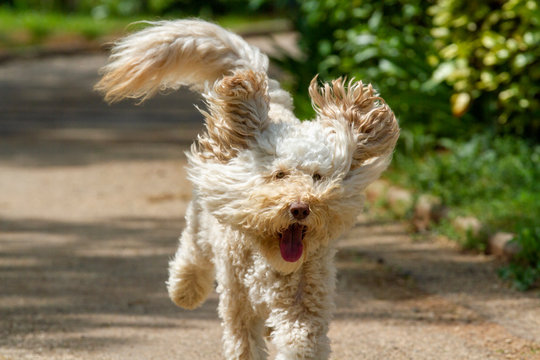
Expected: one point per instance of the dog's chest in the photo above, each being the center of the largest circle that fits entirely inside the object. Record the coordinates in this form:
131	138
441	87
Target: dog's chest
241	267
265	285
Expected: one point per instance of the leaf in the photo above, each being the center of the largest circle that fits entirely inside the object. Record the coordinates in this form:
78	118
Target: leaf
460	103
443	71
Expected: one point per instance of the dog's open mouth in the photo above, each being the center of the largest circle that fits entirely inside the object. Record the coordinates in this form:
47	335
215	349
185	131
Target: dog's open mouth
290	242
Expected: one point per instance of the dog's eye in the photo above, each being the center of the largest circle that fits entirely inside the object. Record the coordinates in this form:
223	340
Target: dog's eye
317	177
280	175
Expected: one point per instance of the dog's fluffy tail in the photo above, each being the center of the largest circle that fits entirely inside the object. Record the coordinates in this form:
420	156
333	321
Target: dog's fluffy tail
171	54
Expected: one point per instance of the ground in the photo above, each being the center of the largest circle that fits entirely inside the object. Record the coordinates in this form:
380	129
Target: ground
92	199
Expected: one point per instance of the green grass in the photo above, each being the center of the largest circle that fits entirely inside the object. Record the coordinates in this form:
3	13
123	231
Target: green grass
253	23
524	271
22	28
494	178
19	29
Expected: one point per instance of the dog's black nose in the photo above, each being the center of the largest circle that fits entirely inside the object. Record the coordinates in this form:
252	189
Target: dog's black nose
299	210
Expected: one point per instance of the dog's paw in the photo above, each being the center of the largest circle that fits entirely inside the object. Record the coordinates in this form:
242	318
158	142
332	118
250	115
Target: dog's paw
189	284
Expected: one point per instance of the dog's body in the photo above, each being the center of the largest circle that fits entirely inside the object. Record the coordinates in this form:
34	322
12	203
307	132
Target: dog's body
271	193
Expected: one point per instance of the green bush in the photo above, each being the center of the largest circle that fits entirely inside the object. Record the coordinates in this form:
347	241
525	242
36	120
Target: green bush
489	53
525	269
121	8
451	69
493	177
386	43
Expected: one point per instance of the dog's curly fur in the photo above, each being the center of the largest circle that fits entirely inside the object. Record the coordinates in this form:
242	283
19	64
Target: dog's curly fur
271	193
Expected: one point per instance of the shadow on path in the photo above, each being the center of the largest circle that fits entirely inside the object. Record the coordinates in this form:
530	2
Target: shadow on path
73	276
49	106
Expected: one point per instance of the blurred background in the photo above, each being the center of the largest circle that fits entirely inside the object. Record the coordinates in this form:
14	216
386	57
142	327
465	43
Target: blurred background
463	78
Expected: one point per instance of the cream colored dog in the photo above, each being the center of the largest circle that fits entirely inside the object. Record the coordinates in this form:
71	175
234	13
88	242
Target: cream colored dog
271	193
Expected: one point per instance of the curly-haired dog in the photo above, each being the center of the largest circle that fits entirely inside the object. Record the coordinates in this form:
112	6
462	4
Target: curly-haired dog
271	193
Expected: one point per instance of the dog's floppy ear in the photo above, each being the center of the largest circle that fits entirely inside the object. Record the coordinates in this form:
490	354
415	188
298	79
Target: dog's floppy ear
237	111
372	121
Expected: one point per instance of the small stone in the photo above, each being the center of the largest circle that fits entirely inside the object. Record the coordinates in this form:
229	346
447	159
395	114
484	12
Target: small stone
399	200
428	209
501	245
467	224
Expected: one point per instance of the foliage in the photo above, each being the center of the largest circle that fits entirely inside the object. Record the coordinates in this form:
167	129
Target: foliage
489	53
468	240
385	43
22	28
206	9
118	8
525	270
466	67
494	178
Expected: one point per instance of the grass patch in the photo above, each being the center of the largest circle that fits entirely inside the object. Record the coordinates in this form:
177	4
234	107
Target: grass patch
524	271
26	28
494	178
23	28
468	241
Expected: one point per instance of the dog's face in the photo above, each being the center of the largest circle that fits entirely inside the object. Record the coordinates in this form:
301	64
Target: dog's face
293	186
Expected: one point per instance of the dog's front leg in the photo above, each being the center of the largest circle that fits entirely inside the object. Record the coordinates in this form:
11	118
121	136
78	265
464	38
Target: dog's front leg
300	323
242	329
300	334
191	272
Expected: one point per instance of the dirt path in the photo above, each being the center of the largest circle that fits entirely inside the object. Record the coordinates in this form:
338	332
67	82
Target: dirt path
91	204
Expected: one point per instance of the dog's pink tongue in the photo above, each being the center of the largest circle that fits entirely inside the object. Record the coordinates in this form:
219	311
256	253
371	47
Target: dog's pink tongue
290	243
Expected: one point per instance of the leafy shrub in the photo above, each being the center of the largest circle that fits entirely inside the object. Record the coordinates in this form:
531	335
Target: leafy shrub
466	67
493	177
489	53
120	8
386	43
525	270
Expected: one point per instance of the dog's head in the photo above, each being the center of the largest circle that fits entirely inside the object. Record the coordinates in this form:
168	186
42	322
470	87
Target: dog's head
292	186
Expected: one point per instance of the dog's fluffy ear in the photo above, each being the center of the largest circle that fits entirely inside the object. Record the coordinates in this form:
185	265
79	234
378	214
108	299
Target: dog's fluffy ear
372	121
237	111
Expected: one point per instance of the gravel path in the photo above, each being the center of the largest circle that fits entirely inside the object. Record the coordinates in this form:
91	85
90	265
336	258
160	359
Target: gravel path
92	199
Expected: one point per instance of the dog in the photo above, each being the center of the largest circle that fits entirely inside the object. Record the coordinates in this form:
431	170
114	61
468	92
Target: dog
271	194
